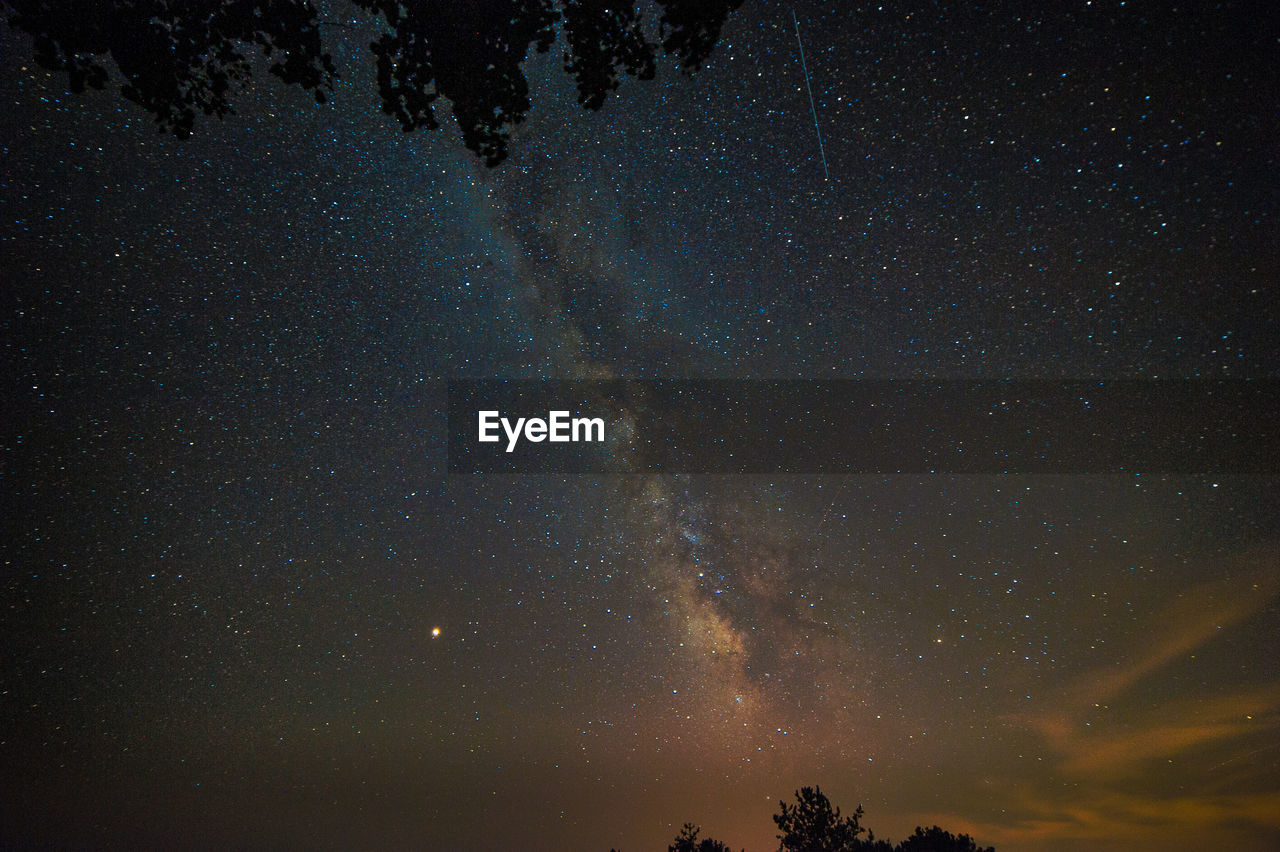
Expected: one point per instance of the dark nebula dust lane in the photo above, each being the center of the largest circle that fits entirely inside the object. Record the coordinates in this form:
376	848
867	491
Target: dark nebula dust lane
246	603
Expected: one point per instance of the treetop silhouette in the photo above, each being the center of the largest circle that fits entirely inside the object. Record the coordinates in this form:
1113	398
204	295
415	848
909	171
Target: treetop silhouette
936	840
181	60
813	825
687	841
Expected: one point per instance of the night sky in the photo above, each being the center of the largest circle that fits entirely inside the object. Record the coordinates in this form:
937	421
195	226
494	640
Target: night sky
245	603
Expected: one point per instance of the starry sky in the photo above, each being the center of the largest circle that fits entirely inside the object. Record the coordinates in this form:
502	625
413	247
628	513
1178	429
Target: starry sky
246	603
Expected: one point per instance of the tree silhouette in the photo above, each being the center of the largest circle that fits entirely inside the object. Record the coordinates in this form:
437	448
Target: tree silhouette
811	825
180	60
687	841
871	844
936	840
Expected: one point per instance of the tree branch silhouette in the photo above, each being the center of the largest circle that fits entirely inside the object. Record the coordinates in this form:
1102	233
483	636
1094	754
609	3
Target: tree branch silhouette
182	60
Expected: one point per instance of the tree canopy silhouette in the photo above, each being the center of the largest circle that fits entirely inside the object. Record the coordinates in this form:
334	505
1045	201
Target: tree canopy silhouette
811	825
687	841
936	840
180	60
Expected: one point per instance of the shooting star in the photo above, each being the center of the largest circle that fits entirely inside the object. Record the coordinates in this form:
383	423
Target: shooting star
812	107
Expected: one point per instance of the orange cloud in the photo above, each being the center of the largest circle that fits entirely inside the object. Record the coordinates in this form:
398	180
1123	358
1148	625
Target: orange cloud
1128	759
1111	820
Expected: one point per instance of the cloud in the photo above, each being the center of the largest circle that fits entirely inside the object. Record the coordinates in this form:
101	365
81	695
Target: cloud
1149	729
1174	729
1145	771
1115	820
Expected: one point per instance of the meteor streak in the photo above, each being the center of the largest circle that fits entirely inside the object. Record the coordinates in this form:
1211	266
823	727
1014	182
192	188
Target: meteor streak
812	107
